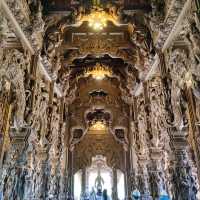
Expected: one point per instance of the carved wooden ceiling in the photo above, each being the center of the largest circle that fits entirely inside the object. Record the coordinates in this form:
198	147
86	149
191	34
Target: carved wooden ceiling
114	41
99	144
63	5
123	47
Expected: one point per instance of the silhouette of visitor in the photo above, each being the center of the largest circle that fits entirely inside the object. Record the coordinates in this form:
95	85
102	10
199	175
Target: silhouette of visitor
105	196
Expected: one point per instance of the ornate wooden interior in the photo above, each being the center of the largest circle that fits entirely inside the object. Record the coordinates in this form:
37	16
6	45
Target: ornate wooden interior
88	79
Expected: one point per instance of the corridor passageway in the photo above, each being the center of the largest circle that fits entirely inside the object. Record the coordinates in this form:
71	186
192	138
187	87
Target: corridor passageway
99	99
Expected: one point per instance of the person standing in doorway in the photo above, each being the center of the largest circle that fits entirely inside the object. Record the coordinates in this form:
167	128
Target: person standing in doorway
105	195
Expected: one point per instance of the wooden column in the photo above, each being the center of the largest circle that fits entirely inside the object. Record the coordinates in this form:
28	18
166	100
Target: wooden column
194	131
114	189
70	173
83	181
33	74
4	129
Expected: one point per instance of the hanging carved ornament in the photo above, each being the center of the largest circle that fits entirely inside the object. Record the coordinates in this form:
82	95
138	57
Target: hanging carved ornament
99	71
98	18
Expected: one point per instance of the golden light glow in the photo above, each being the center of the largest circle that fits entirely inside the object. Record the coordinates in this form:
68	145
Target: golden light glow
98	19
98	126
99	72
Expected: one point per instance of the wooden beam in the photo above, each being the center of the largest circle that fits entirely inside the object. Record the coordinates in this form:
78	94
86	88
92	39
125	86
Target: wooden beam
173	34
19	32
177	26
16	26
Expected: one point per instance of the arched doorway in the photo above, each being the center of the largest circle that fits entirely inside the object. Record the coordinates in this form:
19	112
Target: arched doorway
111	179
120	185
77	184
99	167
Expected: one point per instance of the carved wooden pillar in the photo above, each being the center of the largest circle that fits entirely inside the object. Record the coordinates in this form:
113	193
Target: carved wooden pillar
128	172
64	153
194	136
70	174
114	187
143	182
5	109
183	183
3	31
29	184
33	77
64	175
156	176
65	179
53	180
14	169
41	173
133	168
28	188
83	180
126	175
132	156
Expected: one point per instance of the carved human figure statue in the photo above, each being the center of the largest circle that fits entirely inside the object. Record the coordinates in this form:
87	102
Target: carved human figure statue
178	64
142	127
99	181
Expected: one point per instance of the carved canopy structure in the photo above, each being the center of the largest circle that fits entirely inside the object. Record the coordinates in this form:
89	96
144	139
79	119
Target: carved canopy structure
118	79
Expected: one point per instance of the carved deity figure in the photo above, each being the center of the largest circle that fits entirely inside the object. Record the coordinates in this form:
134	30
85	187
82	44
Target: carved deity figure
52	43
142	179
53	187
156	180
156	113
142	128
184	187
178	68
38	23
